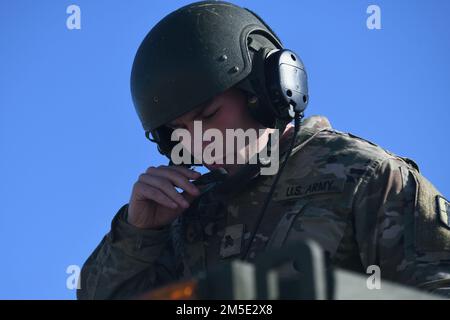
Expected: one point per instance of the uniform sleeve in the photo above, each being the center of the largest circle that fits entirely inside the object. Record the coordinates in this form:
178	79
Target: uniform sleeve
127	262
399	228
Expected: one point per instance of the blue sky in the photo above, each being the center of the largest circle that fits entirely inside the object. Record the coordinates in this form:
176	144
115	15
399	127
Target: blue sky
71	145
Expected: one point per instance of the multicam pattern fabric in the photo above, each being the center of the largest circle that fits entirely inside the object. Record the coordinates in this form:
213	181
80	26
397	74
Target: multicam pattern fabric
364	205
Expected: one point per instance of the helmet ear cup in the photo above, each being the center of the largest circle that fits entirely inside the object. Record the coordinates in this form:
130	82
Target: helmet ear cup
279	86
286	82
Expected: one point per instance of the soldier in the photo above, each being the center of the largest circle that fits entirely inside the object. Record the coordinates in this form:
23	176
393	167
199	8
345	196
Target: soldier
365	206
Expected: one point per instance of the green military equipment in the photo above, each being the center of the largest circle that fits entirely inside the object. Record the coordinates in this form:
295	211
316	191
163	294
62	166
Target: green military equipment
200	51
193	54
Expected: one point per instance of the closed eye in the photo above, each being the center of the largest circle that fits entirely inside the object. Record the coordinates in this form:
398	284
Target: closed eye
210	115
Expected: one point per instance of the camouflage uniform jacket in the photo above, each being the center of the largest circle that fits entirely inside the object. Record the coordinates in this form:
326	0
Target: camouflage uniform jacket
362	204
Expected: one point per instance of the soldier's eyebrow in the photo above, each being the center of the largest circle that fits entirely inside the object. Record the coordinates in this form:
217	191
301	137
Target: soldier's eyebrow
200	110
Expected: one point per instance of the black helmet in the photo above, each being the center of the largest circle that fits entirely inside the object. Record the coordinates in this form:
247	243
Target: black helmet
193	54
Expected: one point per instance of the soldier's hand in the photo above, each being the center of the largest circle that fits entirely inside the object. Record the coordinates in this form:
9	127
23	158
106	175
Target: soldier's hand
154	200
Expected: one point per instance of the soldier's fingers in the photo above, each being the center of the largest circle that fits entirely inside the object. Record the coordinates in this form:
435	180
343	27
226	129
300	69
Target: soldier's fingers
189	198
156	195
176	178
189	173
165	186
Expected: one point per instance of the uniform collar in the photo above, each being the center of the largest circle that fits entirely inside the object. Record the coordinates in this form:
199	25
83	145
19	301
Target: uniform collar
308	128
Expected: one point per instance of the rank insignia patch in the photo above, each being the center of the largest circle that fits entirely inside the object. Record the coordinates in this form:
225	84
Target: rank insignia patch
443	207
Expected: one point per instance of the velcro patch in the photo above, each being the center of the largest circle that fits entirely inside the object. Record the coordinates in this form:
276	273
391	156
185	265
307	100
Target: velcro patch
443	208
303	189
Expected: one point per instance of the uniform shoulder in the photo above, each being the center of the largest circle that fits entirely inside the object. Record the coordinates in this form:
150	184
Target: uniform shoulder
347	146
326	149
346	143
